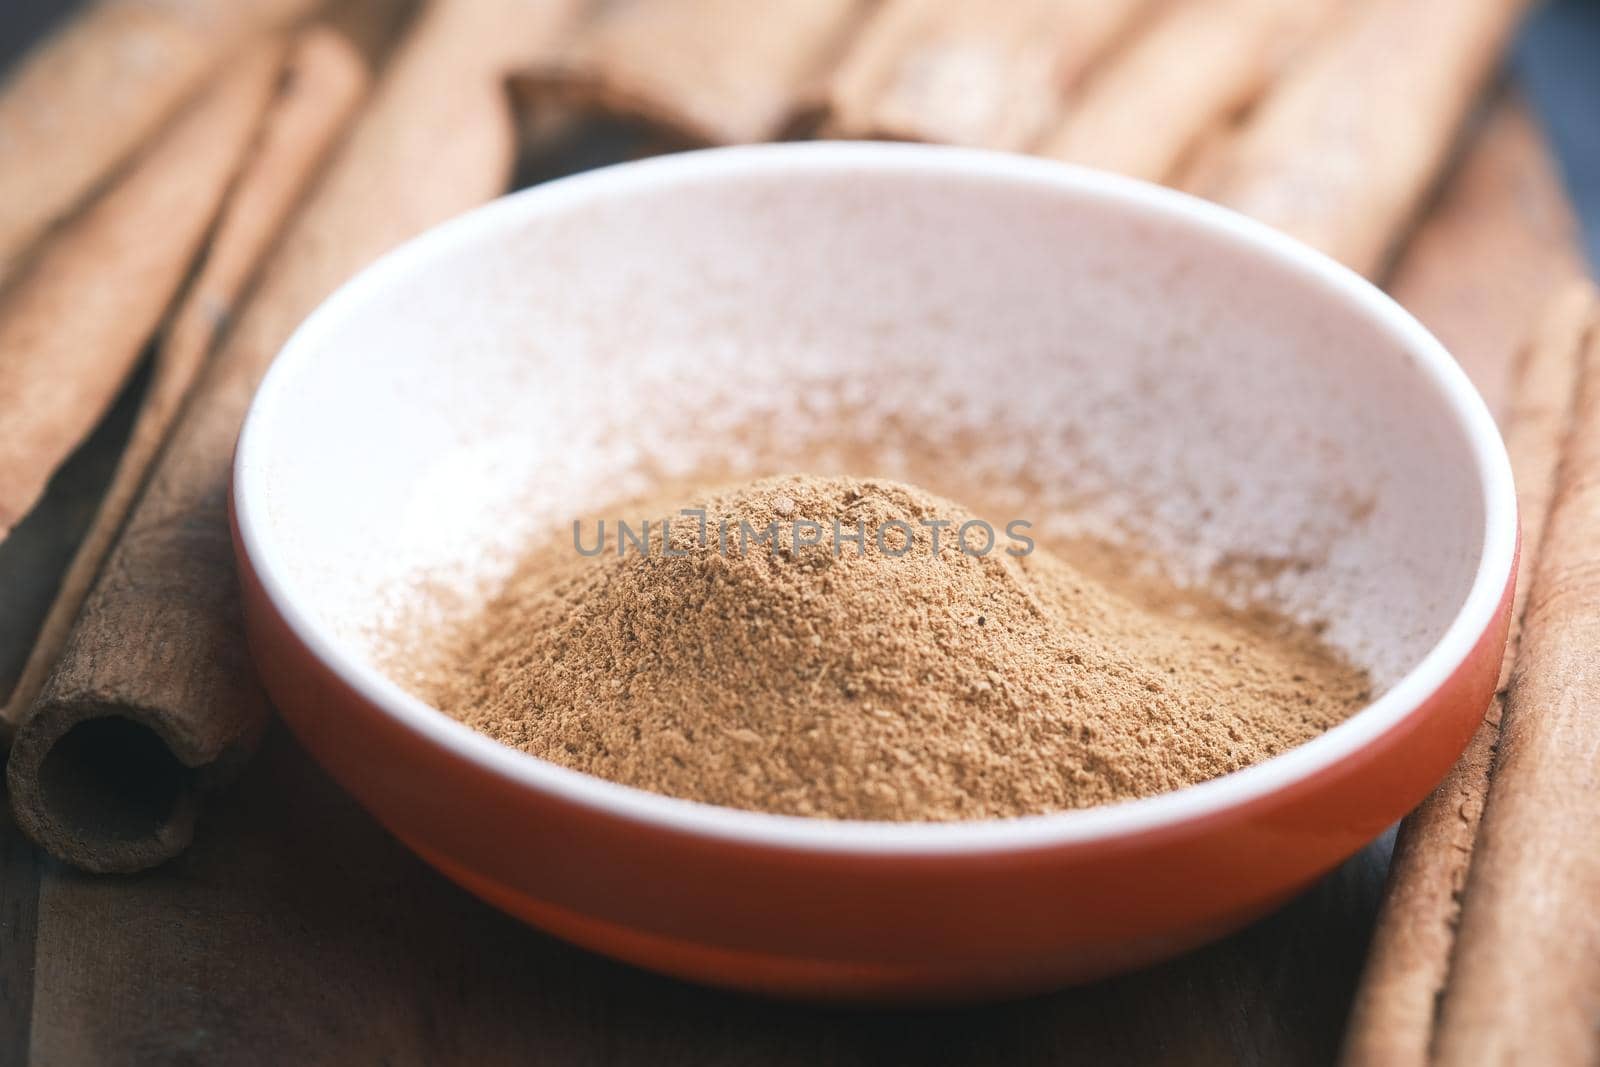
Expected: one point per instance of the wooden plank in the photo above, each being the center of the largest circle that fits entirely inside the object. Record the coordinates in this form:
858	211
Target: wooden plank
19	897
295	930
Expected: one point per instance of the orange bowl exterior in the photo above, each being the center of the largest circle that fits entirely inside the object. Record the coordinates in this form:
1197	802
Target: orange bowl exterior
840	926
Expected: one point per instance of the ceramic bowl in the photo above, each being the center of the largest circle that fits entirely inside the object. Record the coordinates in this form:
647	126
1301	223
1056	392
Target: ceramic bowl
1125	361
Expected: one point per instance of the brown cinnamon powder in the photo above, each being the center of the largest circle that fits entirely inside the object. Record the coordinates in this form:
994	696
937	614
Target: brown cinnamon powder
884	680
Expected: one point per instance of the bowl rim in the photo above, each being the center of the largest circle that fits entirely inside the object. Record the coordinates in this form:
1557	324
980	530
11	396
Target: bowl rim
1166	811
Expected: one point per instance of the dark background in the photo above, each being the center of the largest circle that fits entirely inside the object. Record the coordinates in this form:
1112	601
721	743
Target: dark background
1558	62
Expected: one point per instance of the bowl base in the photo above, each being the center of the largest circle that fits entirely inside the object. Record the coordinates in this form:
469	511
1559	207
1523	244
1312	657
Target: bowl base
825	981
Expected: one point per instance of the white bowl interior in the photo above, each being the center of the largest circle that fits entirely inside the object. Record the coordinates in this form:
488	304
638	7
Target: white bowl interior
1078	351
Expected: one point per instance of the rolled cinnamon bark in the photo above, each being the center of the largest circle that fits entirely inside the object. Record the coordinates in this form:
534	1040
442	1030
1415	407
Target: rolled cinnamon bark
1524	985
1500	241
74	323
1343	152
969	72
323	82
154	700
700	71
1392	1021
83	101
1494	247
1200	62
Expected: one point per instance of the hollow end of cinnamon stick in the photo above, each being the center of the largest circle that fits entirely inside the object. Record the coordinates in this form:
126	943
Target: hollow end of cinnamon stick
110	788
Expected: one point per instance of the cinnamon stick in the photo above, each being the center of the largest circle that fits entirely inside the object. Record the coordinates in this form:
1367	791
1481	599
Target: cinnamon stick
1524	985
323	82
1392	1021
1201	61
89	96
74	324
1488	255
107	768
968	72
1494	247
1344	150
700	71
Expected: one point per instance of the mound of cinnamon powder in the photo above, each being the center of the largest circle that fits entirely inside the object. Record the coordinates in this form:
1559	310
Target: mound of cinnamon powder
880	678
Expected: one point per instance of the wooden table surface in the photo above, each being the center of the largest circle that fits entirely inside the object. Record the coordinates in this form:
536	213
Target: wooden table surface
296	930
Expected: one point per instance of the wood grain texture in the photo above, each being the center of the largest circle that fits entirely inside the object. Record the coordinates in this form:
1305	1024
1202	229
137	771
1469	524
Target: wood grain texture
968	72
19	900
700	71
1344	151
295	930
85	99
1524	983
